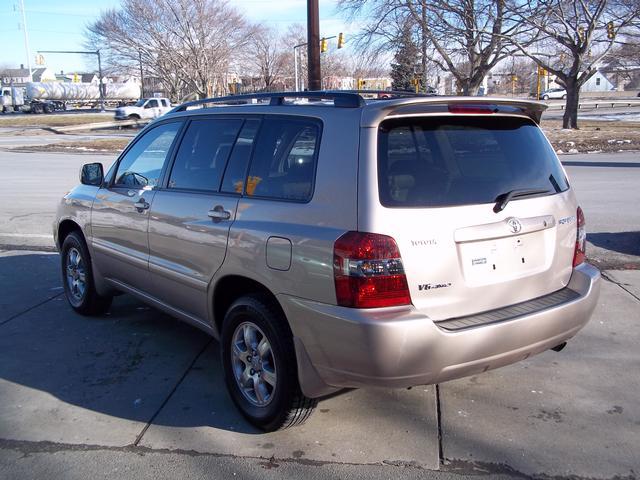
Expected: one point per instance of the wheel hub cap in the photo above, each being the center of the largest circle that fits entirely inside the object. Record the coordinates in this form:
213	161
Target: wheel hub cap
75	273
253	364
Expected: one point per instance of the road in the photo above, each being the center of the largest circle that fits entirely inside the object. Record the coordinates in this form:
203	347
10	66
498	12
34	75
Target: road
139	394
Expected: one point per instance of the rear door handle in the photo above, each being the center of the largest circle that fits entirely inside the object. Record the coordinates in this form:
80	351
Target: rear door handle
141	204
218	213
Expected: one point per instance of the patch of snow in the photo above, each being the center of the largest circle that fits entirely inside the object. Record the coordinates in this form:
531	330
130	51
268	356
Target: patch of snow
573	150
559	152
571	144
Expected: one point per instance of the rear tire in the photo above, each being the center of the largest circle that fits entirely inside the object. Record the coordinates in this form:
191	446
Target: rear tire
133	116
546	97
259	363
77	278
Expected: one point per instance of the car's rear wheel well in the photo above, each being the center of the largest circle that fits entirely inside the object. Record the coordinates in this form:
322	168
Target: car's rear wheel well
232	287
65	228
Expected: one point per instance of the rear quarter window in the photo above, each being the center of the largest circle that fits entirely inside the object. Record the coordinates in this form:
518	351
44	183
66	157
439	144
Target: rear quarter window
452	161
284	161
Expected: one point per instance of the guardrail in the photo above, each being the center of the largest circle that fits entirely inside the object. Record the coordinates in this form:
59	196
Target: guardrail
599	104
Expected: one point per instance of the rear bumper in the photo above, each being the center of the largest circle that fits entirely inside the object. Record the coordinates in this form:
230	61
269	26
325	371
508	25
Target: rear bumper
341	347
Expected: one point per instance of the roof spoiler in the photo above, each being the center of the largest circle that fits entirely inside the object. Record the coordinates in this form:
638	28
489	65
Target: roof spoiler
371	117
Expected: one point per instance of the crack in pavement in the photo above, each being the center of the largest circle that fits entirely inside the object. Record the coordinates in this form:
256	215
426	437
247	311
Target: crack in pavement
173	390
13	317
452	466
480	468
621	285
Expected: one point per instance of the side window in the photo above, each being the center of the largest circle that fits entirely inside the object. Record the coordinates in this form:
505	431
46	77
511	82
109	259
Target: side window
236	172
151	104
142	164
284	164
203	154
164	103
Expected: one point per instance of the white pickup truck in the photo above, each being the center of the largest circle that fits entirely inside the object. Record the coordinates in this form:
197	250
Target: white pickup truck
144	108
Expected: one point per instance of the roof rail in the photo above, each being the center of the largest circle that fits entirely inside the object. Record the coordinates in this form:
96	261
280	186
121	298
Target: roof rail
340	99
384	94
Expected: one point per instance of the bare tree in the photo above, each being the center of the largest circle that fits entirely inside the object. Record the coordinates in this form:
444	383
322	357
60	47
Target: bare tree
465	37
187	44
573	38
266	55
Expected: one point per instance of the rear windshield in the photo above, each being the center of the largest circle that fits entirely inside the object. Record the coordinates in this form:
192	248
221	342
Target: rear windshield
450	161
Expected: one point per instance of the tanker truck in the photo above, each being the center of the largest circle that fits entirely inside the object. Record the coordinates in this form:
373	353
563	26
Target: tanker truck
47	97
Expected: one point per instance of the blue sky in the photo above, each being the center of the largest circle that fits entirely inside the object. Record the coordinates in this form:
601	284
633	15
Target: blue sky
59	25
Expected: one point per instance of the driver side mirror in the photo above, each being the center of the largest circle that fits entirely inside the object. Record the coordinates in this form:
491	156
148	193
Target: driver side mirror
92	174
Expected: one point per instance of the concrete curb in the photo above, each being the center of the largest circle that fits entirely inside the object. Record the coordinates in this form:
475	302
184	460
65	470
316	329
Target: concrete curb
97	126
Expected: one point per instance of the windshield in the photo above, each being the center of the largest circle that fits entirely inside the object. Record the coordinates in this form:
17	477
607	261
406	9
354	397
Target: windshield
140	102
450	161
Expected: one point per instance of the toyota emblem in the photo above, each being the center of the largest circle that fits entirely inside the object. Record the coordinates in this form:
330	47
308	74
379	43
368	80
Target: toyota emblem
514	225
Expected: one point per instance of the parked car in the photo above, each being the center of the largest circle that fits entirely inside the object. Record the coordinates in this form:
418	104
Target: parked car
145	108
553	93
338	242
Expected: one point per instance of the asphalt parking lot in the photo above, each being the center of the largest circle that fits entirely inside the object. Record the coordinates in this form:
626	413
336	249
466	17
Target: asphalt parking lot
136	393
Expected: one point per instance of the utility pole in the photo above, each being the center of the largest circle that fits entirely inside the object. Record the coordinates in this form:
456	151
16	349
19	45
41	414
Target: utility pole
26	40
141	75
100	84
295	68
313	45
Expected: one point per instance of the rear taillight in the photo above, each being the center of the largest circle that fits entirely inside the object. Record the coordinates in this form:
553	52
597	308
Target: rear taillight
580	252
368	271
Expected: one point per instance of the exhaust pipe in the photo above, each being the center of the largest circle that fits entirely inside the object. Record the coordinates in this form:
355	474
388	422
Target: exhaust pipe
558	348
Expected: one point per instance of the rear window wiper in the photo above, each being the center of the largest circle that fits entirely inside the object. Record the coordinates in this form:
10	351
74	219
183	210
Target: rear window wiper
504	198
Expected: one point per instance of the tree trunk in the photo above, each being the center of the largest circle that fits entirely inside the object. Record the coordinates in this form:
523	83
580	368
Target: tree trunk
570	117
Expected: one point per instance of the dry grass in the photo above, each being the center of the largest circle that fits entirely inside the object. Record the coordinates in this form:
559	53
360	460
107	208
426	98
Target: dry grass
53	120
593	136
101	145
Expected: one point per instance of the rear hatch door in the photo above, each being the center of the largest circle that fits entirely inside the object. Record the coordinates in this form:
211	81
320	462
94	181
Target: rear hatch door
480	207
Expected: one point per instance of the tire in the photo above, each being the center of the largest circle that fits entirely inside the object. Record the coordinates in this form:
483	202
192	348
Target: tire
133	116
77	277
564	97
269	405
48	108
546	97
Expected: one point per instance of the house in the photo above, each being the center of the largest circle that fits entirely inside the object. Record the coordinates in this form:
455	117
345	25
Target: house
599	82
20	76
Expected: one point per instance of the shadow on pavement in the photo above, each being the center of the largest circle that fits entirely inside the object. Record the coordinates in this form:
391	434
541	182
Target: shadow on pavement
627	243
101	380
136	365
123	364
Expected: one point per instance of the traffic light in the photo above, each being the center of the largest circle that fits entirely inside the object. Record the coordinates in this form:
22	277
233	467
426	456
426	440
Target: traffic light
340	40
39	59
323	45
581	33
611	33
361	84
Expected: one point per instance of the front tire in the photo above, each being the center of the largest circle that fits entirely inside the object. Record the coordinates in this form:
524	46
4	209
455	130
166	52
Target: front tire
259	363
545	97
77	278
